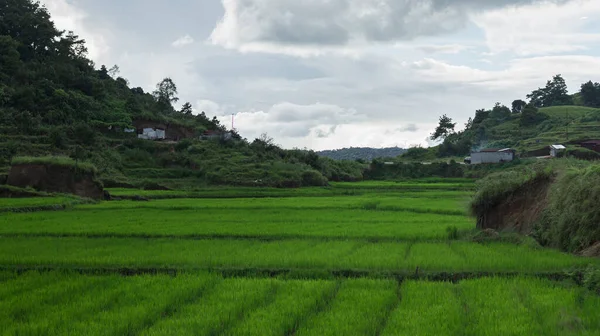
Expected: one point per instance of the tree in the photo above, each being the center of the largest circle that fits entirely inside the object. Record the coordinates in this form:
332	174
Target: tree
518	106
530	116
445	128
469	124
103	72
187	109
554	94
166	92
114	71
480	116
590	94
500	112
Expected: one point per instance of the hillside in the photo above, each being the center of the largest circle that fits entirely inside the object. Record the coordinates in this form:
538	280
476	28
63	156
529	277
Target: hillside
56	101
552	116
362	153
561	124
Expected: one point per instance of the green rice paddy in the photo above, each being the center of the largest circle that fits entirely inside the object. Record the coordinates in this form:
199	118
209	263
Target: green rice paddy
351	259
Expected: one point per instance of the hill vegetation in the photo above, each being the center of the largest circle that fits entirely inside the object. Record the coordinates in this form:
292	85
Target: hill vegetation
551	116
54	101
362	153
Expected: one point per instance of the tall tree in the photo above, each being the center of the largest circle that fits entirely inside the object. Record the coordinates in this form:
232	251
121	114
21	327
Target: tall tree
166	93
590	94
444	128
518	106
187	109
554	94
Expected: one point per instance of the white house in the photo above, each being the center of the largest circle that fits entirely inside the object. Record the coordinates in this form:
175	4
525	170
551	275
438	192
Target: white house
493	156
152	134
555	149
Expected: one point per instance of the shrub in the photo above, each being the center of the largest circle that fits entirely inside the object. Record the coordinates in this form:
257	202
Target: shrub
58	137
591	278
313	178
581	153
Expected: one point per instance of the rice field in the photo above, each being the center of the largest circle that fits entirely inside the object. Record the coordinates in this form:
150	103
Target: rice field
350	259
208	304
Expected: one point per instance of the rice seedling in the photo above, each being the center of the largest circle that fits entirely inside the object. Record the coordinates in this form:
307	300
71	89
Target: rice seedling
426	308
250	223
218	310
290	254
359	308
293	302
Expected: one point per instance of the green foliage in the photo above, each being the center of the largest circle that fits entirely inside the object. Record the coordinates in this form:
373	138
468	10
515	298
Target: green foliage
591	278
530	116
365	154
590	94
570	220
580	153
518	106
445	128
452	232
54	161
419	154
554	94
401	170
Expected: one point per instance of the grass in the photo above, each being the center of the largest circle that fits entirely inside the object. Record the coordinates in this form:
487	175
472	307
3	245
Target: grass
301	254
37	203
208	304
62	161
375	218
359	308
494	306
240	264
409	190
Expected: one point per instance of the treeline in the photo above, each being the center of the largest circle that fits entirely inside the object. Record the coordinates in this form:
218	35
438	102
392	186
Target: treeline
364	154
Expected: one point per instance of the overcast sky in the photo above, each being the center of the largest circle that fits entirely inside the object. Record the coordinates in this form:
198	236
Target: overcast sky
340	73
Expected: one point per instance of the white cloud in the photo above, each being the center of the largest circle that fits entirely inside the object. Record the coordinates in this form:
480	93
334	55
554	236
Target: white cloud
443	48
183	41
288	120
267	24
209	107
540	29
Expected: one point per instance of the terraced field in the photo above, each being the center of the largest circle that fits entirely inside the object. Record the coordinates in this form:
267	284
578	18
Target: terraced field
358	259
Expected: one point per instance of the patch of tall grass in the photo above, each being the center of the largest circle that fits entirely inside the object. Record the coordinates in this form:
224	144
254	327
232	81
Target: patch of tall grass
63	161
570	221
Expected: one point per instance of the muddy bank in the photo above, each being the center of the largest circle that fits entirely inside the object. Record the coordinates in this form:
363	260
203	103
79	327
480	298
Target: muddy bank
56	179
519	211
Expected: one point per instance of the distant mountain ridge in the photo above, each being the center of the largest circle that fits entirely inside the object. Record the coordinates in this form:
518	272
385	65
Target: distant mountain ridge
364	153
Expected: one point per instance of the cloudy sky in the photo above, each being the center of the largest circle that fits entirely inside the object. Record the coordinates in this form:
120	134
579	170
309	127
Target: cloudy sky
326	74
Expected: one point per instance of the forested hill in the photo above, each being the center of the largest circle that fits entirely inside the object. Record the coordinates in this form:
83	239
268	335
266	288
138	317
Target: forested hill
55	101
551	115
362	153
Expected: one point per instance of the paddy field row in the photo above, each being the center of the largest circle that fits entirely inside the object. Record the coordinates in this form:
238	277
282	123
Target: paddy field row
208	304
